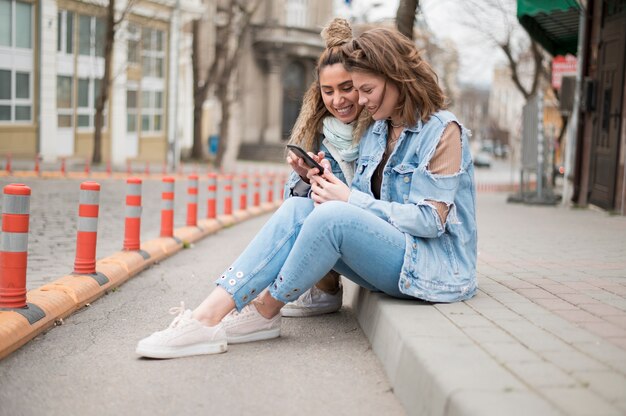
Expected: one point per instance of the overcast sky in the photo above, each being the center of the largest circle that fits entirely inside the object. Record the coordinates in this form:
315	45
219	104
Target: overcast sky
476	55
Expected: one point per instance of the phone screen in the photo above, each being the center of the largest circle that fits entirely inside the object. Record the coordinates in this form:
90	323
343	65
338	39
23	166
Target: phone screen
300	152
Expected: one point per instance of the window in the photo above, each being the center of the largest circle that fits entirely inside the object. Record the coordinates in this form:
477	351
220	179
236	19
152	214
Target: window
151	111
91	36
152	52
16	24
65	32
87	91
6	32
23	25
134	38
131	111
297	13
15	95
16	68
64	101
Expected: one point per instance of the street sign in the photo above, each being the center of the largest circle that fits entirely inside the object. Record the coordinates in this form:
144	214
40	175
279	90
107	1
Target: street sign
562	66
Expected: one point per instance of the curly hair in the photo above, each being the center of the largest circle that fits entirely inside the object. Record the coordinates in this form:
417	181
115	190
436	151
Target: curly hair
308	125
391	55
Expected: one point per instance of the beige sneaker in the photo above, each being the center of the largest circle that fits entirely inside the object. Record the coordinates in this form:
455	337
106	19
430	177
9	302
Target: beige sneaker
313	302
184	337
249	325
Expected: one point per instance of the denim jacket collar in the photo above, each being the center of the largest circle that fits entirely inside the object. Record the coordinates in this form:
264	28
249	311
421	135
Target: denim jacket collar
381	127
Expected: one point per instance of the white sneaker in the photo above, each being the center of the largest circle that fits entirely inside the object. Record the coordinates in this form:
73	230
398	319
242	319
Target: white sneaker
185	336
314	302
249	325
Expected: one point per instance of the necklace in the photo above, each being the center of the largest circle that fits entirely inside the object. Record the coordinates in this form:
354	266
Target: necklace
395	126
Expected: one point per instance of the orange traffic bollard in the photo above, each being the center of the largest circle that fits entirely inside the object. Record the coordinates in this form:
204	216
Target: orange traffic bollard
192	200
283	182
243	192
109	170
132	224
270	187
228	194
167	208
211	209
9	168
87	234
62	169
147	169
256	199
87	167
14	245
37	167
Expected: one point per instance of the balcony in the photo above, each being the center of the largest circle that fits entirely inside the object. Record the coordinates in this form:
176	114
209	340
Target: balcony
290	41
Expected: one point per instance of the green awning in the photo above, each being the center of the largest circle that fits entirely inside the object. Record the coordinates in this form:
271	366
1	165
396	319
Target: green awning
552	23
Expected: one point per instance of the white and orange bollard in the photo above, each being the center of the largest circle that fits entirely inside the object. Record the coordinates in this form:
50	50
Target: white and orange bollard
167	207
228	194
14	245
192	200
243	192
37	167
8	166
270	187
211	211
87	234
132	224
256	197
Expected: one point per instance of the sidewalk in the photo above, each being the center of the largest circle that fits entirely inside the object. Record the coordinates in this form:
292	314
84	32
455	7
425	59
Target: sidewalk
545	335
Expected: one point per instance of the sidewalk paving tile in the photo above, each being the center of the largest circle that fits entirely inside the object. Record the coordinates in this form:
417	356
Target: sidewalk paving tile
580	401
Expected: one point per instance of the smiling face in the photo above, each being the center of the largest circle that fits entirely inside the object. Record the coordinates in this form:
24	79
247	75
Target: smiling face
338	93
379	96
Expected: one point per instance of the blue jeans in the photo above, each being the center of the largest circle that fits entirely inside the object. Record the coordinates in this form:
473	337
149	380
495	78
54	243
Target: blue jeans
301	243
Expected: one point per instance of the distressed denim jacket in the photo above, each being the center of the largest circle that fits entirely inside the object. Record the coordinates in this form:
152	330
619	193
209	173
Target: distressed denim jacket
439	259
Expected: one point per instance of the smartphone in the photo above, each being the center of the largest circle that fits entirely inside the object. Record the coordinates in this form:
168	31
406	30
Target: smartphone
300	152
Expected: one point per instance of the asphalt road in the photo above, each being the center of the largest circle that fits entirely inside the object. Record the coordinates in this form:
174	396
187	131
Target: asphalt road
320	366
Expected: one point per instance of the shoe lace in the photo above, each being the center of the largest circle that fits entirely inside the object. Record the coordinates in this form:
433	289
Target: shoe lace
177	310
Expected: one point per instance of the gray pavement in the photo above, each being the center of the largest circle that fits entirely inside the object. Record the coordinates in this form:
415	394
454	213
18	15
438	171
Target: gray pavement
546	333
319	366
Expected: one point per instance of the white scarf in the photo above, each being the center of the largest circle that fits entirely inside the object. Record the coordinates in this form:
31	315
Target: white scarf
340	135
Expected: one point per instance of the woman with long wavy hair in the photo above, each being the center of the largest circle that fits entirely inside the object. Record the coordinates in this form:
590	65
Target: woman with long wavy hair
405	227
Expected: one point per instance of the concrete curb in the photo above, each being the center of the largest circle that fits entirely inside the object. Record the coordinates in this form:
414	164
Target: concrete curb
65	295
433	366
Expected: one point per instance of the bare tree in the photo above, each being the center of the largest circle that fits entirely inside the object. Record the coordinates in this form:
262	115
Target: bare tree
235	17
112	25
495	22
405	17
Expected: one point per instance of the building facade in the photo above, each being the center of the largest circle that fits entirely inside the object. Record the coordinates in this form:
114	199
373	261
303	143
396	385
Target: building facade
277	66
594	30
52	63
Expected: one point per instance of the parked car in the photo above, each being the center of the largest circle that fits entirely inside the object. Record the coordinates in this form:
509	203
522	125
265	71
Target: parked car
482	159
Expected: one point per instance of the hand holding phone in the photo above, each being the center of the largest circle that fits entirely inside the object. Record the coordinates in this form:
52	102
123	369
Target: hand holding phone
308	160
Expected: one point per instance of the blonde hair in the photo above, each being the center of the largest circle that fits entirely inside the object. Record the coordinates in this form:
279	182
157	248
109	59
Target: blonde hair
391	55
308	125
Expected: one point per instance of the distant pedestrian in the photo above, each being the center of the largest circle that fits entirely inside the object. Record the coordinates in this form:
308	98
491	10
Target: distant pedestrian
405	227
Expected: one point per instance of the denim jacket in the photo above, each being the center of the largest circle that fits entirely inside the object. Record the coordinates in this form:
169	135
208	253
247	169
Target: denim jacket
335	166
439	259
